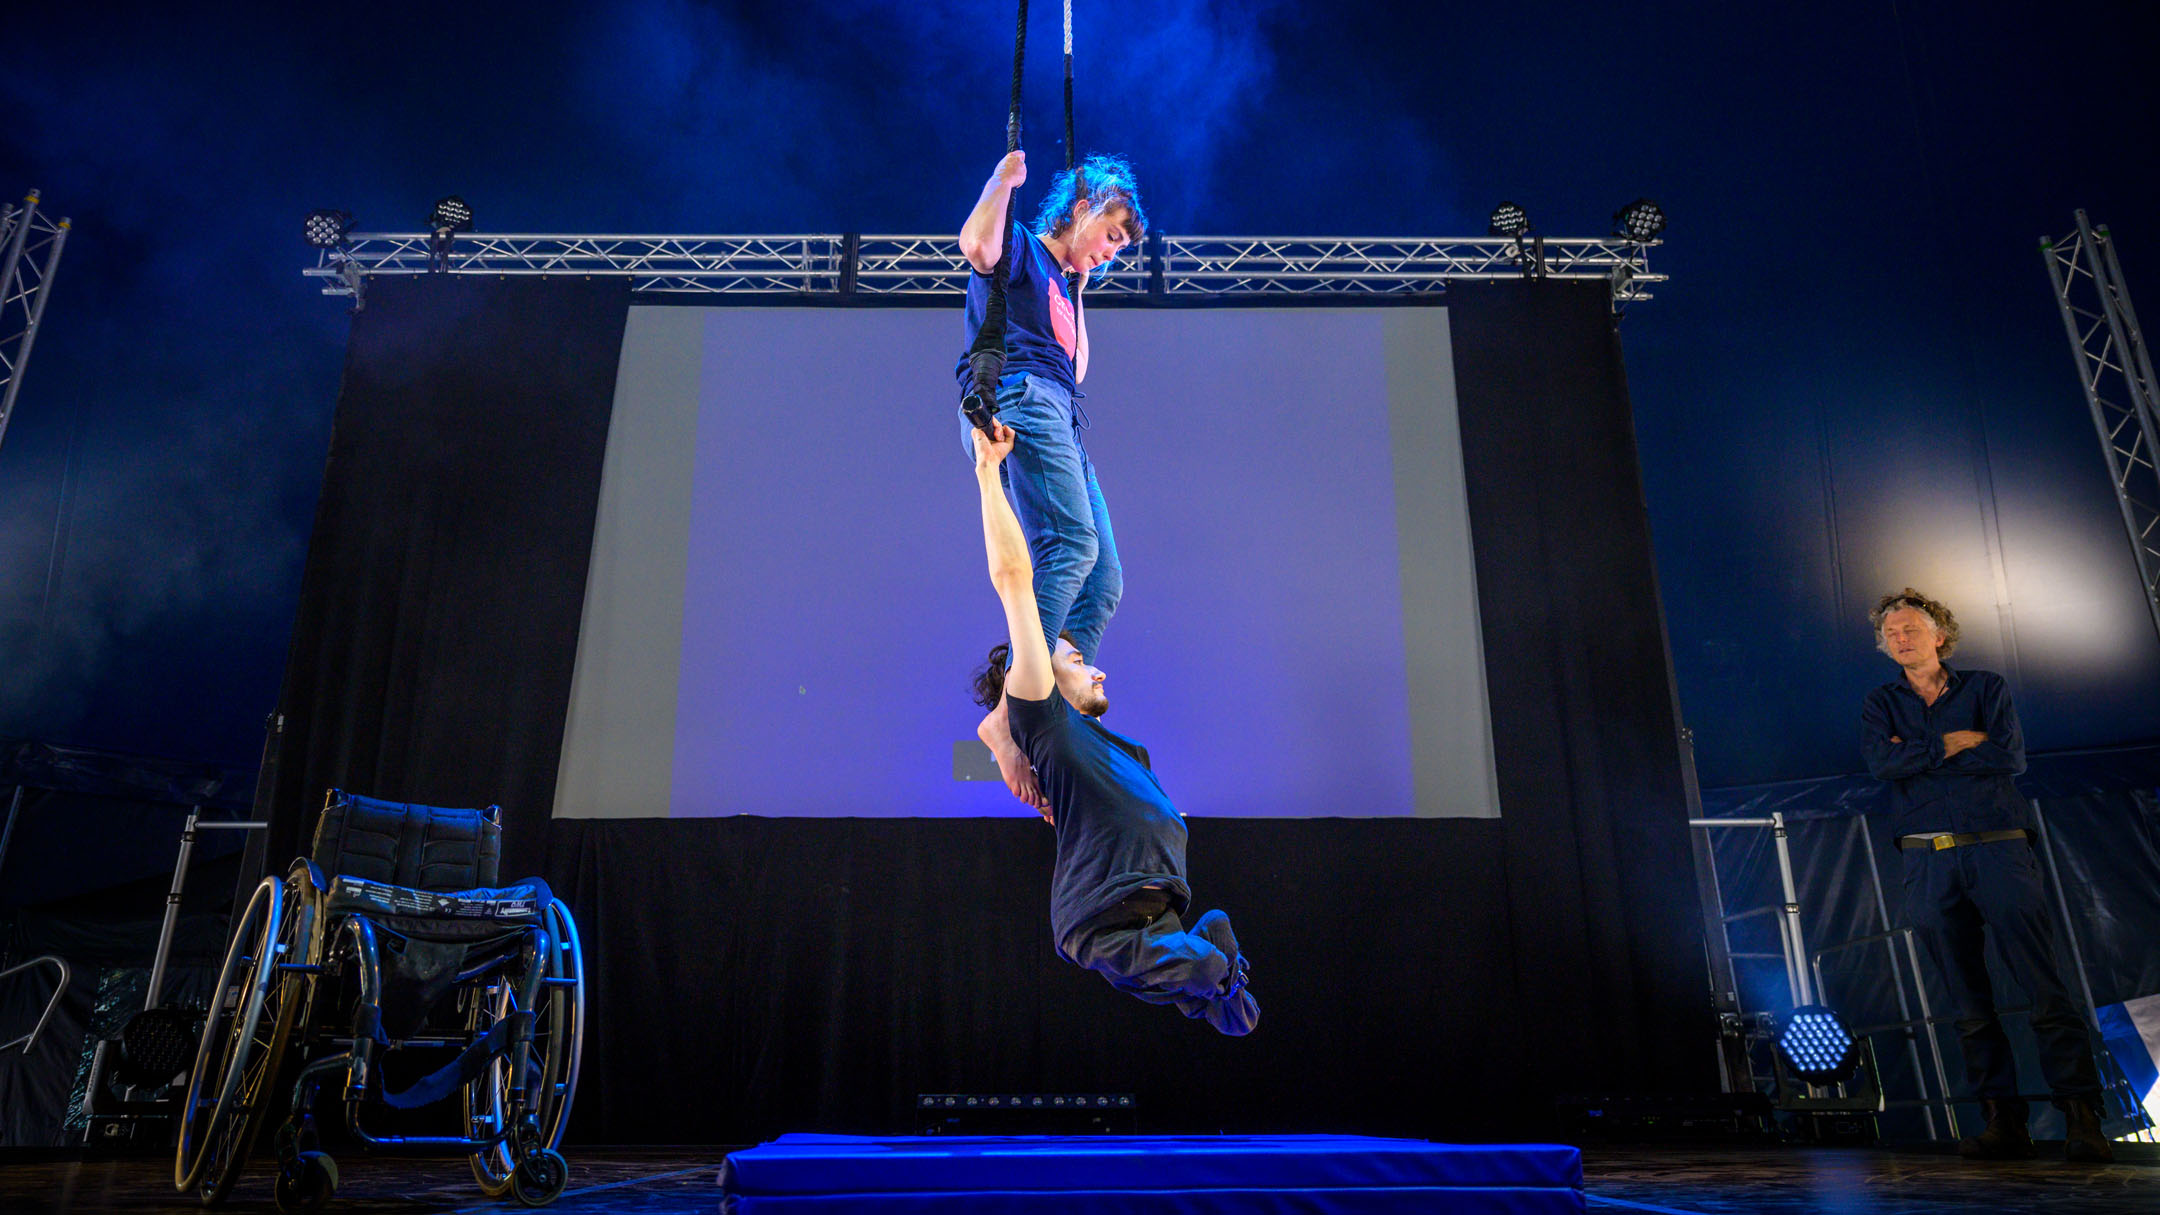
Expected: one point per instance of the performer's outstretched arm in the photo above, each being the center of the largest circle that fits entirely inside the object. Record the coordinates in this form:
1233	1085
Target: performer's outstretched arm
1010	571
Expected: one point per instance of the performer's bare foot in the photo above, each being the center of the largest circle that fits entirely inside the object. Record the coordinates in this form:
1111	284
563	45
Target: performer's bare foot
1012	764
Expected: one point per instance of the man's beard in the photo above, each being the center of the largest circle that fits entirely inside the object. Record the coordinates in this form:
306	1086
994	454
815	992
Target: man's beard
1094	704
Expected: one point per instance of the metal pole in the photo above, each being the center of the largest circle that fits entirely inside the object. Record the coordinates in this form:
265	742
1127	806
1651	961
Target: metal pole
30	1039
2077	958
22	217
1803	993
1927	1018
2122	322
8	832
1897	978
172	909
37	314
2077	955
2091	372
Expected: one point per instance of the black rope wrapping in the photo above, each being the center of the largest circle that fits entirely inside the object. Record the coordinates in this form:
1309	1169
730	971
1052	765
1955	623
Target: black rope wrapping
1072	281
986	358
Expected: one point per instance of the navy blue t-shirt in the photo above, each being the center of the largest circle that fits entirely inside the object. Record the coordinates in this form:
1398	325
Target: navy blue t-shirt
1040	334
1968	792
1116	829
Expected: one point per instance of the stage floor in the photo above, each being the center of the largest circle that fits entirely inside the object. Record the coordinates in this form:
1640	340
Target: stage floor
1678	1181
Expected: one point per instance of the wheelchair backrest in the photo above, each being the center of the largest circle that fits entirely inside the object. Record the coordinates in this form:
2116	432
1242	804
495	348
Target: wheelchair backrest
407	844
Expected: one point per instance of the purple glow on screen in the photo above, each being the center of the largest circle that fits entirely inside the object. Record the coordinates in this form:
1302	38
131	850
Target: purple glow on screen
836	599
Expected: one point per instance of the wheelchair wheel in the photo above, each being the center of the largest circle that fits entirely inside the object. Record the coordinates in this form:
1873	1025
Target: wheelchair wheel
305	1183
244	1035
539	1178
556	1051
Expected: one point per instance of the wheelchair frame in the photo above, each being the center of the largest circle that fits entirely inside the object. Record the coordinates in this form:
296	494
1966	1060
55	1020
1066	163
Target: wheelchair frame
286	946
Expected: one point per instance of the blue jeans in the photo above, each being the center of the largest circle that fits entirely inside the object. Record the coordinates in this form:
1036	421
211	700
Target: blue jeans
1078	581
1957	899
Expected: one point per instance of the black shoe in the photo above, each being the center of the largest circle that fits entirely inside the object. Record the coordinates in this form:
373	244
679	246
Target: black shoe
1236	1014
2083	1140
2005	1137
1215	928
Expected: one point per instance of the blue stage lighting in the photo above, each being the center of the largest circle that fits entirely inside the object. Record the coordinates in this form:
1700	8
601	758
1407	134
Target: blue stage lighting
1817	1045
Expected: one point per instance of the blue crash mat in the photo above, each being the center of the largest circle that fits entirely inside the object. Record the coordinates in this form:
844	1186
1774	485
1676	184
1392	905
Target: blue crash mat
1190	1175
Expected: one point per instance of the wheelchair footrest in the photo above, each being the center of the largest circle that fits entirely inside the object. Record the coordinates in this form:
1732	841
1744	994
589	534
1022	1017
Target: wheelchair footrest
469	1064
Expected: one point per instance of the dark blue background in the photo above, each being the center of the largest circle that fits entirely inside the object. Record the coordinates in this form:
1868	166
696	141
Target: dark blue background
1857	377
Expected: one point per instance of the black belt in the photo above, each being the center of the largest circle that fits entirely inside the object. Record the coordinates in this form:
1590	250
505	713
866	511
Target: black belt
1936	843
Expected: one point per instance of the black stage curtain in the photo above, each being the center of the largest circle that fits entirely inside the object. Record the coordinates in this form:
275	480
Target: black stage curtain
438	618
1586	721
751	976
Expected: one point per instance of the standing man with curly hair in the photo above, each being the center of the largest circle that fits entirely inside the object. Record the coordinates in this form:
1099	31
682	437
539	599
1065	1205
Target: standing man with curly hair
1090	216
1948	742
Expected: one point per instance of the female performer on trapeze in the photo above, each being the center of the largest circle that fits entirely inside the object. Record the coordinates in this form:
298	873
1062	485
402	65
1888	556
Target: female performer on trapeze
1090	216
1118	892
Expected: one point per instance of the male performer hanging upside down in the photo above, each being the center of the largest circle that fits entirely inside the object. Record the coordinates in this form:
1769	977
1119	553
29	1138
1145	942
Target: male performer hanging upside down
1088	218
1118	890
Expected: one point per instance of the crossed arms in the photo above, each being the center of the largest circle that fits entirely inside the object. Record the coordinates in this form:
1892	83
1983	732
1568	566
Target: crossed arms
1999	748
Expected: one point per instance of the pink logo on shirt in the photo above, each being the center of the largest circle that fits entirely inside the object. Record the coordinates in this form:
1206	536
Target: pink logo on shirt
1061	319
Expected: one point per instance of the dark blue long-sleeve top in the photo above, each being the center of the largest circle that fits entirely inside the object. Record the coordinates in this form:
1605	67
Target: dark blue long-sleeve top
1970	791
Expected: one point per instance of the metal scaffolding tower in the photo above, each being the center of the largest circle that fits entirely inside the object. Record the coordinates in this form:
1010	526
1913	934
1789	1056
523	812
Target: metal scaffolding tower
33	245
2117	374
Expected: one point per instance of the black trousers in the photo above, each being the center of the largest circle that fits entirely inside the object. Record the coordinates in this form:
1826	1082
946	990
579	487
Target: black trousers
1958	898
1142	948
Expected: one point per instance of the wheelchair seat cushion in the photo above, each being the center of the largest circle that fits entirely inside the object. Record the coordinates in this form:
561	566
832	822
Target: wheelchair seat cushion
448	915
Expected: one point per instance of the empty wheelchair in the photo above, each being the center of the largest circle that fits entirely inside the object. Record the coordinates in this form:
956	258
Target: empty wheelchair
390	936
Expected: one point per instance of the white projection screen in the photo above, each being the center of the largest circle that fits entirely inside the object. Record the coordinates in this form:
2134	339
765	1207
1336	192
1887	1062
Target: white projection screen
788	590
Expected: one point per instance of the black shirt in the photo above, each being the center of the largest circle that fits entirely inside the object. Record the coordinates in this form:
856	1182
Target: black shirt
1970	791
1040	331
1116	828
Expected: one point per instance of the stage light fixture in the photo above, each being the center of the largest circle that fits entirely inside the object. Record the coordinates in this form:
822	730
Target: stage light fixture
1817	1045
449	215
327	229
1508	219
1639	221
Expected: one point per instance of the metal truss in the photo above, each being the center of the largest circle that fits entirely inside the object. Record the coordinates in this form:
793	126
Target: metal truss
32	244
731	265
1188	267
2116	372
1272	265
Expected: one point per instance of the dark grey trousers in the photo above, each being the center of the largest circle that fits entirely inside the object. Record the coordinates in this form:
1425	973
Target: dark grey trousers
1142	948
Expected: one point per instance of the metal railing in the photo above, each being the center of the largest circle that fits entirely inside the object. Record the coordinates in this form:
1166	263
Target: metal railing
1805	980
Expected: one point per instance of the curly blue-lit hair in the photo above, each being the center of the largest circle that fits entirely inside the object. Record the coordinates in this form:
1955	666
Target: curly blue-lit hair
1102	182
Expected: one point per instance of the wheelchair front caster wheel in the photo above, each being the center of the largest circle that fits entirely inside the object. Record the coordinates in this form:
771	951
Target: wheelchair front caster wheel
539	1178
306	1182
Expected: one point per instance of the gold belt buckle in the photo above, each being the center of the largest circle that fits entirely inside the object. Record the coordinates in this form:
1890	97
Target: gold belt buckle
1941	842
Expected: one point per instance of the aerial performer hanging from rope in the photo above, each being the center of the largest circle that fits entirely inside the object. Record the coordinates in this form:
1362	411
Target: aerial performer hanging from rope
1027	354
1118	889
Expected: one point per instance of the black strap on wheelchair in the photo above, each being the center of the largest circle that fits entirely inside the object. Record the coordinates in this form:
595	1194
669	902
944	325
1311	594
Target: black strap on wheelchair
466	1068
